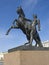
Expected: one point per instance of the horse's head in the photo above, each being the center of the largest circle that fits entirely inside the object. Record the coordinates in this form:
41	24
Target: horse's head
20	11
35	16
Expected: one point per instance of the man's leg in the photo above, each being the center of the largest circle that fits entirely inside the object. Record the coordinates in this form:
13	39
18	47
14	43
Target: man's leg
39	40
31	37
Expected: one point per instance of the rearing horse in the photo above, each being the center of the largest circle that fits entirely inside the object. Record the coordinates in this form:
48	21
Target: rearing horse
26	26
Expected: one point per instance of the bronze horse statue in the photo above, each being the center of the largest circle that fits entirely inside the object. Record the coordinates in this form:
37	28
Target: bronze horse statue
27	27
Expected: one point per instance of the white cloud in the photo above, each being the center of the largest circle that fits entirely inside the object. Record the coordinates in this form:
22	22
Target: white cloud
3	36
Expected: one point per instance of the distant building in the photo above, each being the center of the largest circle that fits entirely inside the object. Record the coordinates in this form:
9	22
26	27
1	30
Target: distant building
2	58
46	43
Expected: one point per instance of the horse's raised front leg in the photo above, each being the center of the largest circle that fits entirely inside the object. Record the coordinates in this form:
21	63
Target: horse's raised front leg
12	27
9	30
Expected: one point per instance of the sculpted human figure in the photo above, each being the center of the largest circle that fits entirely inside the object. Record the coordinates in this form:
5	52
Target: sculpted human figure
34	34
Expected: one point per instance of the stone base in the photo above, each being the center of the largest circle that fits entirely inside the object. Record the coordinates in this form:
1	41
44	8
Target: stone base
28	47
27	57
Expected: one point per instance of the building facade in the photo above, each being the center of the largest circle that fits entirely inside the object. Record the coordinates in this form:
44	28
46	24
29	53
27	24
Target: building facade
46	43
2	58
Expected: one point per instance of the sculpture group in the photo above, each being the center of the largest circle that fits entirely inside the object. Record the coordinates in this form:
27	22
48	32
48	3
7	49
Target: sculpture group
27	26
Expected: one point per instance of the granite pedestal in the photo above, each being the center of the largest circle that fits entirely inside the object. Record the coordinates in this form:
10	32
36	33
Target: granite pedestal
27	55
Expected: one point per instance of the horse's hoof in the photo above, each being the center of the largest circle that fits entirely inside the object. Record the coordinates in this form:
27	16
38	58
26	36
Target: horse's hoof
25	44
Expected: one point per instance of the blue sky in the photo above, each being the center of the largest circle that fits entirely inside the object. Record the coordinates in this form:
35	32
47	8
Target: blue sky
8	14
